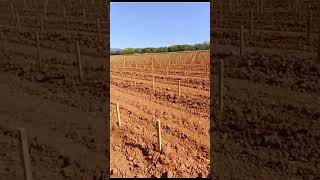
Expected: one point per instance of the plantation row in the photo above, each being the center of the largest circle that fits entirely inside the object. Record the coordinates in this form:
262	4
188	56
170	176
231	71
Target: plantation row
162	106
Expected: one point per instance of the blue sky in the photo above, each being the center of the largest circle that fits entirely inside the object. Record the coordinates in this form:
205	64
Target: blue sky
140	24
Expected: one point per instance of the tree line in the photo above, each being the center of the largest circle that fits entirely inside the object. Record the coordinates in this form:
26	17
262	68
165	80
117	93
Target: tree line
174	48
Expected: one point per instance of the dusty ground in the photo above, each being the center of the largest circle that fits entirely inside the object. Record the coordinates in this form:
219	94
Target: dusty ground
65	119
271	120
185	121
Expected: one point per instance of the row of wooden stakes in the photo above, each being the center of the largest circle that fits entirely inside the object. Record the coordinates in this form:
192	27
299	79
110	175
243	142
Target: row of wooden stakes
153	85
15	19
167	69
77	47
259	5
242	42
158	127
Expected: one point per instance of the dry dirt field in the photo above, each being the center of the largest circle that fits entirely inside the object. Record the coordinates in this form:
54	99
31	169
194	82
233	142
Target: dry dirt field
270	127
184	119
64	117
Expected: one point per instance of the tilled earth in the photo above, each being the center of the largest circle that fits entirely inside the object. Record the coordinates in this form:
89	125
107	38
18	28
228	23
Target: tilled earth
184	125
65	119
270	127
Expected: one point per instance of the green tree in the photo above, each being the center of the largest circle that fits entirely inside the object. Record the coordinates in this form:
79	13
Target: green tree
128	51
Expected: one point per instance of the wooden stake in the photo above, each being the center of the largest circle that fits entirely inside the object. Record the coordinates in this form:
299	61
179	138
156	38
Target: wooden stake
25	154
84	16
185	72
221	90
309	24
79	61
152	83
167	70
299	12
118	114
3	40
252	21
257	6
12	13
45	9
67	28
220	6
241	40
179	89
38	50
98	30
135	83
159	135
18	23
319	48
152	65
42	24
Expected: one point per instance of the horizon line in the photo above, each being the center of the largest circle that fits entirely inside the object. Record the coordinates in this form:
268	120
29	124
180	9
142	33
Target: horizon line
161	46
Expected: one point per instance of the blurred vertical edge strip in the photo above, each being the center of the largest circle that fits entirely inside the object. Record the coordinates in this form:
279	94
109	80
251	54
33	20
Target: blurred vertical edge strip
107	27
211	93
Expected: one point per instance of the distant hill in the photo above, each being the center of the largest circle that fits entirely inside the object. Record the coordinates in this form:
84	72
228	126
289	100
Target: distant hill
112	50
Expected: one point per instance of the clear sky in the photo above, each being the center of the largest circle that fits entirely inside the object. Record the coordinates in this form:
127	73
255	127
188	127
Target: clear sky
151	24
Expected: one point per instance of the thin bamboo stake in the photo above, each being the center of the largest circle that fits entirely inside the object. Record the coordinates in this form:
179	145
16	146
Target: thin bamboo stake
118	114
299	12
25	154
98	30
3	40
13	18
152	83
45	9
42	25
38	50
18	23
221	90
241	40
152	65
221	15
159	135
179	90
309	24
79	61
252	21
319	48
67	28
257	8
84	16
